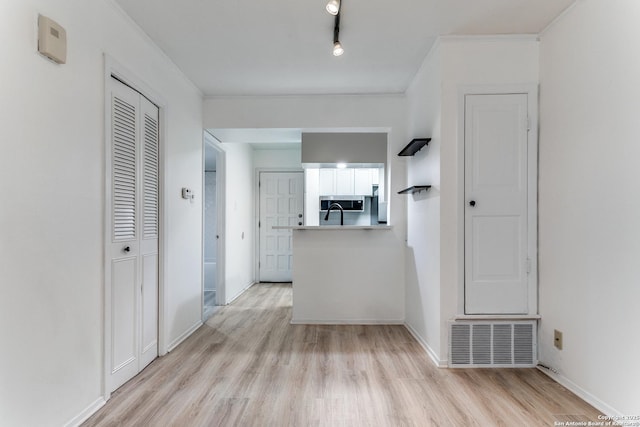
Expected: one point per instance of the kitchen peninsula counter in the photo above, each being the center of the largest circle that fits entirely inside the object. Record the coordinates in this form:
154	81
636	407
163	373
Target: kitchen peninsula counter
347	275
333	227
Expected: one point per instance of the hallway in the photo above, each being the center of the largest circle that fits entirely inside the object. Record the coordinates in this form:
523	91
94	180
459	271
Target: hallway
248	366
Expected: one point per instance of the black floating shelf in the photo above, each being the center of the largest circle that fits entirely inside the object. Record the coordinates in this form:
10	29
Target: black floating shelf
414	146
415	189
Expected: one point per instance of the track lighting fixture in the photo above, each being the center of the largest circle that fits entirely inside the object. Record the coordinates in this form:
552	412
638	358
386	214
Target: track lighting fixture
337	47
333	7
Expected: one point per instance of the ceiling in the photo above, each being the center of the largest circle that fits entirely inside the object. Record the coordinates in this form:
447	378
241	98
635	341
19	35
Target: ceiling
283	47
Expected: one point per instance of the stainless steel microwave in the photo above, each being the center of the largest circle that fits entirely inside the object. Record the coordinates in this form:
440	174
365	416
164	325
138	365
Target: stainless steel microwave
355	204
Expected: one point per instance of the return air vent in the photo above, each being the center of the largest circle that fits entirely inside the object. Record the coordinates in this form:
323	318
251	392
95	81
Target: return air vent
501	344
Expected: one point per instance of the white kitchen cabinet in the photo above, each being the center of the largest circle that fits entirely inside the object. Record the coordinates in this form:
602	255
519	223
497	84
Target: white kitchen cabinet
344	182
347	181
363	181
327	185
375	175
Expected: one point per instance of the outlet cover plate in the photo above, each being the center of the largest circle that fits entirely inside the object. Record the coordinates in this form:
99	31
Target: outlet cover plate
557	339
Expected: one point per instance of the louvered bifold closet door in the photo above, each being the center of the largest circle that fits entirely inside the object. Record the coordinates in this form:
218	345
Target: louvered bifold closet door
150	138
124	274
134	178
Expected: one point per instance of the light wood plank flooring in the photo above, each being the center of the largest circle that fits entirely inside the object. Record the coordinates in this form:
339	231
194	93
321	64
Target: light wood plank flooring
247	366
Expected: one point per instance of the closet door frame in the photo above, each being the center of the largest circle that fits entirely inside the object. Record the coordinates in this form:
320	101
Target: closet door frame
531	90
113	68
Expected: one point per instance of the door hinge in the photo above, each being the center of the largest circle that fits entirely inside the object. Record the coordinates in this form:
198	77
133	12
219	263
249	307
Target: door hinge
528	265
259	224
528	124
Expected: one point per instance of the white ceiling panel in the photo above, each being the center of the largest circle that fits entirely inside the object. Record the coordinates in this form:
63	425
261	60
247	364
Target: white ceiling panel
283	47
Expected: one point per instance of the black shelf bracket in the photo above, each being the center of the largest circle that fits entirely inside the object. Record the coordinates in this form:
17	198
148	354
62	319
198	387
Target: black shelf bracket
414	146
415	189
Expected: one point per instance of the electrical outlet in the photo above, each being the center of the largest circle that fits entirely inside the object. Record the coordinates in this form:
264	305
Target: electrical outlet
557	339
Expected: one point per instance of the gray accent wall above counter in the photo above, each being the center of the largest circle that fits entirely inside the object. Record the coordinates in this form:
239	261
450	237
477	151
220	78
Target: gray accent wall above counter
326	149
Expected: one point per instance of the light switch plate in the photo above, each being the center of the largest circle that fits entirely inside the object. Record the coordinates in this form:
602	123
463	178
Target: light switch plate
52	40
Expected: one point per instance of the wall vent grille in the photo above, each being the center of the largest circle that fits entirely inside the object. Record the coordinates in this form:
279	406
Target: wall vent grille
495	344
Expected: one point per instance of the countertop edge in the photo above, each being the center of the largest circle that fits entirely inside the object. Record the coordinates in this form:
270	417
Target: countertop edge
332	227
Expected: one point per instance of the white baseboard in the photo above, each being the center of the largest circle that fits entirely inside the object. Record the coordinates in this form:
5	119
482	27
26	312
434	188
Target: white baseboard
86	413
581	393
184	336
240	293
432	354
346	322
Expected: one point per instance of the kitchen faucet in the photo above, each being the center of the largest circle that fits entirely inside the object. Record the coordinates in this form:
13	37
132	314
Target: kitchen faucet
335	205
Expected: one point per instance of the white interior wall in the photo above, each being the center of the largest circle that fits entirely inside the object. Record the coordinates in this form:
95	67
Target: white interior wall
424	98
269	158
433	97
239	219
589	209
51	220
366	290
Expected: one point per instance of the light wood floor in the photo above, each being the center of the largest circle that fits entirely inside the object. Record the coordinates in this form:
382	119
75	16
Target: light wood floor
247	366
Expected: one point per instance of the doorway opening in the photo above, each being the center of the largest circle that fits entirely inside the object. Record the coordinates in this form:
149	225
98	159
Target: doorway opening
498	203
213	213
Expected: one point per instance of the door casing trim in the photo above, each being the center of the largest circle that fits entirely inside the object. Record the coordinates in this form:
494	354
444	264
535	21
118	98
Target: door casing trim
531	90
258	171
221	196
113	68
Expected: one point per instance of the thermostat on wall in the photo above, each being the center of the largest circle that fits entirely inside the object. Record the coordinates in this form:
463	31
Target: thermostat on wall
52	40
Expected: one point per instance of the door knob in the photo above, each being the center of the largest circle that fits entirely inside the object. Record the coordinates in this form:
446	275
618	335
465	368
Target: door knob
472	203
127	249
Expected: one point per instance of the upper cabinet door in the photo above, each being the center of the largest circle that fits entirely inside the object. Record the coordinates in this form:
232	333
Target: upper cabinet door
327	182
347	181
363	183
344	182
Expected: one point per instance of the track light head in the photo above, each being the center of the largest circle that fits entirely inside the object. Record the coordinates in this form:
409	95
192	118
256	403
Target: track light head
333	7
337	48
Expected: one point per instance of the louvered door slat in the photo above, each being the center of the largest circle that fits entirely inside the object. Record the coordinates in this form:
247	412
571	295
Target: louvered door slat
124	170
150	178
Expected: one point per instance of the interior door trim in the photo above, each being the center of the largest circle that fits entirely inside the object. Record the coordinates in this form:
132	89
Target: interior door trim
531	90
210	140
256	268
113	69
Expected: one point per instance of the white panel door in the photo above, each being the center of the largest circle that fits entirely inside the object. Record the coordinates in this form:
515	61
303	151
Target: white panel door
133	222
496	276
281	204
149	199
125	294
